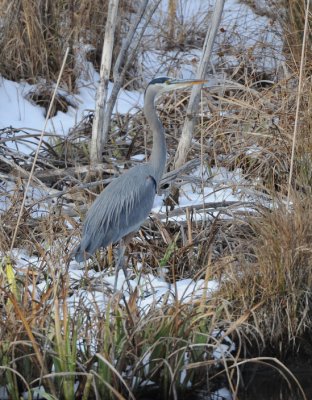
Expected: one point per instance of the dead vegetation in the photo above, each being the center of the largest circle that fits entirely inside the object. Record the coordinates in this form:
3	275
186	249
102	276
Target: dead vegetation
34	36
259	251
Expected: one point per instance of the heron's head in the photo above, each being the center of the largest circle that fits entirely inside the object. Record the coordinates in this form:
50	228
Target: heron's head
165	84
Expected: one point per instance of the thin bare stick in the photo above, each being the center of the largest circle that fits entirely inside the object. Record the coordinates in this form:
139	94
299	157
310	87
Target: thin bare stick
38	148
304	41
124	59
98	132
188	127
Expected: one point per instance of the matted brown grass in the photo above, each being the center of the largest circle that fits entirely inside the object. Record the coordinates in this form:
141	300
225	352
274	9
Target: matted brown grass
261	256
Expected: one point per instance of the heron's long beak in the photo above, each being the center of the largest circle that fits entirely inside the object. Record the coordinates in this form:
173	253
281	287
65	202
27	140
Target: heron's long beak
180	83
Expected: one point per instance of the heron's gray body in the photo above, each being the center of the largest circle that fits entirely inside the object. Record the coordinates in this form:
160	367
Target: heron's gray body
113	214
127	201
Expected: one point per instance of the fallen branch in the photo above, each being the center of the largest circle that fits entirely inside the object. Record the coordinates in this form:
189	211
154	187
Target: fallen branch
78	172
10	131
214	206
21	173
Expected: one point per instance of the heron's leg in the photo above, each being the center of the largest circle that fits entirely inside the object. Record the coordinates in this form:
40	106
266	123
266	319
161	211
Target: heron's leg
120	262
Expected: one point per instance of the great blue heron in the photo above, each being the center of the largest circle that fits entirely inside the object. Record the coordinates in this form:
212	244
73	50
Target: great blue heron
127	201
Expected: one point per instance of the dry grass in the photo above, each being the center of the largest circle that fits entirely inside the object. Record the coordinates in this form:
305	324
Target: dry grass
33	40
111	349
56	330
34	36
275	259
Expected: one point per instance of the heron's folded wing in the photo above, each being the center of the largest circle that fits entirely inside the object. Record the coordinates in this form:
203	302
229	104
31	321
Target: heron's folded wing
119	210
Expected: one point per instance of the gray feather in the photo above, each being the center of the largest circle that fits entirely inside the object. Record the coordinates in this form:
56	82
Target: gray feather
119	210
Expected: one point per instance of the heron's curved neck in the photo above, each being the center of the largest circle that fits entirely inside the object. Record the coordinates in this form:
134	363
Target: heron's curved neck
158	156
